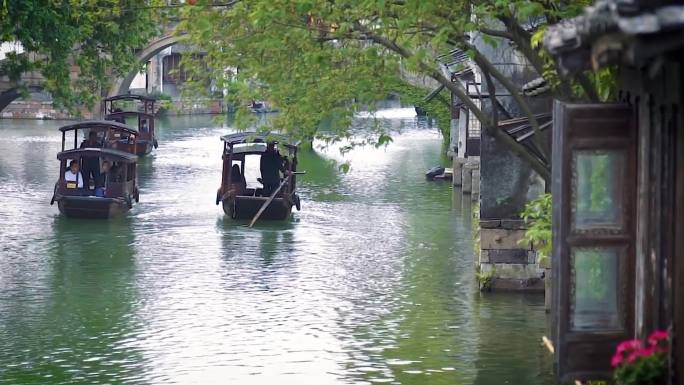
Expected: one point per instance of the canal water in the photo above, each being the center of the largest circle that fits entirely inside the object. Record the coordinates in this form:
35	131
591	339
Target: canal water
372	282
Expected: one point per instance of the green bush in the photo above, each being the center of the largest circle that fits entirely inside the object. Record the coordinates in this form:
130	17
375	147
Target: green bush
537	217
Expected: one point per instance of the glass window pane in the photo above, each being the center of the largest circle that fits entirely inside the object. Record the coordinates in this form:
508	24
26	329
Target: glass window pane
594	294
597	185
474	128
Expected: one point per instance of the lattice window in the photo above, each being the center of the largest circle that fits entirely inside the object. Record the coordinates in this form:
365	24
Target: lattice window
474	127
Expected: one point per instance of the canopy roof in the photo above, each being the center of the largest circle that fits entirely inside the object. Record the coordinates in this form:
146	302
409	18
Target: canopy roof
130	97
248	148
129	113
99	125
255	137
104	153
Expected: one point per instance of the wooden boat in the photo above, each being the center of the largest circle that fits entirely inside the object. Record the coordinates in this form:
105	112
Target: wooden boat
261	107
142	118
120	188
110	134
241	202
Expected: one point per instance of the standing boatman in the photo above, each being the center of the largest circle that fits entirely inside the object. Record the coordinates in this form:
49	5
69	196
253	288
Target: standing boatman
91	166
271	165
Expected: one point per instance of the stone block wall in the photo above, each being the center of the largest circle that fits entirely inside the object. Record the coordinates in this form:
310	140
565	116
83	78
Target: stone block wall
34	109
190	107
509	263
466	174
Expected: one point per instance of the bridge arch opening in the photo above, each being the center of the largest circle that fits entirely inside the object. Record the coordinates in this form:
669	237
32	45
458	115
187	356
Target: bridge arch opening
14	93
122	85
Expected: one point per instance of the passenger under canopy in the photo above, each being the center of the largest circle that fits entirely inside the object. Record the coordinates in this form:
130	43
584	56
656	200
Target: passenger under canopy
113	195
110	134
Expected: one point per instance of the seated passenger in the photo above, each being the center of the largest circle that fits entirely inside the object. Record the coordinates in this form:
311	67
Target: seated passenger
119	119
144	128
73	176
110	172
92	141
237	180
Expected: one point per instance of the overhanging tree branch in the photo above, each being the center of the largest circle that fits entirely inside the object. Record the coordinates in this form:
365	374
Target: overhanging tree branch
496	33
434	73
486	66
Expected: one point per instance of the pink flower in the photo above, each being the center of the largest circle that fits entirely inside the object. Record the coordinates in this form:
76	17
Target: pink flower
632	357
628	346
657	336
646	352
616	360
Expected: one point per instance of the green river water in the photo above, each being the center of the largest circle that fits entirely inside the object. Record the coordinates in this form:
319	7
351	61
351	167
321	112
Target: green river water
372	282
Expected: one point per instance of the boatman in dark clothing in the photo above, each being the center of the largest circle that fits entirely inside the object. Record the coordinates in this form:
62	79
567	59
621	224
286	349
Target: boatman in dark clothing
271	165
91	166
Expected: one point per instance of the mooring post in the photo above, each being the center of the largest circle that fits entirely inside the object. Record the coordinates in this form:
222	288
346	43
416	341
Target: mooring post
475	182
467	179
458	169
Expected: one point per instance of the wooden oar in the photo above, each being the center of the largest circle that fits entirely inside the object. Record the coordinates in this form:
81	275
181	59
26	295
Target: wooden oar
270	199
273	195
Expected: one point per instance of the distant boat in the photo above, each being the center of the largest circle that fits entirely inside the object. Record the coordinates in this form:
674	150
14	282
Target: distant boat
144	119
261	107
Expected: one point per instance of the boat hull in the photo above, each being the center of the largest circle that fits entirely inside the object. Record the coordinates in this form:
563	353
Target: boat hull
92	207
141	148
246	207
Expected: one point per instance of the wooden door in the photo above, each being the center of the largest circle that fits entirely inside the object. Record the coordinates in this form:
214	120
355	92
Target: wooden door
594	192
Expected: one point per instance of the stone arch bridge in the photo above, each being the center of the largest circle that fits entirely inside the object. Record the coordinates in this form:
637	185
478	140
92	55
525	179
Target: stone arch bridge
10	91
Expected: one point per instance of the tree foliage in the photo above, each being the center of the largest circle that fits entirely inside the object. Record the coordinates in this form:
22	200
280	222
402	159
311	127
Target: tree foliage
321	60
537	217
96	37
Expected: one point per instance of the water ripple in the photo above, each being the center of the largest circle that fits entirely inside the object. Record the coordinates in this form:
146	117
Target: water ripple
372	283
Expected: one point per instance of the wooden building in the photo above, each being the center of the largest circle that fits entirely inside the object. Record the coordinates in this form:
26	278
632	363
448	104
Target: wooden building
618	187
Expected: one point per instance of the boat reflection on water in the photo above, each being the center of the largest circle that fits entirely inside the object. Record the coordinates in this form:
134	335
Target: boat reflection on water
92	272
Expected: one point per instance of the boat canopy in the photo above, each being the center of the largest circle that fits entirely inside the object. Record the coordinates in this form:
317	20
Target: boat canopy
100	125
254	137
248	148
143	98
105	153
131	113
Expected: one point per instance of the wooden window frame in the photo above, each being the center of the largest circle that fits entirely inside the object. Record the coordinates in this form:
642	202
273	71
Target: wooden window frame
585	354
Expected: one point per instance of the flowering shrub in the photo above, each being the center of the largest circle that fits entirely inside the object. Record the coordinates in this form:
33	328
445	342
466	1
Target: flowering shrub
639	363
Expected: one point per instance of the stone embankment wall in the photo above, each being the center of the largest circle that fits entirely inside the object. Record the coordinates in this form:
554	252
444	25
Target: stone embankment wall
510	263
20	109
32	109
506	261
466	175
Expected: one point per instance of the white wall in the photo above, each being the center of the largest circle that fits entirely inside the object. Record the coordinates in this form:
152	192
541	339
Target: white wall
7	47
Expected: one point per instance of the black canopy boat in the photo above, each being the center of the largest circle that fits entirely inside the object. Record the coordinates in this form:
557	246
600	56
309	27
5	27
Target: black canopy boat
117	194
110	134
243	202
116	109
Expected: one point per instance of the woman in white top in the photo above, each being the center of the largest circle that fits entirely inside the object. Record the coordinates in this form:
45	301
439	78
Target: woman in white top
73	174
